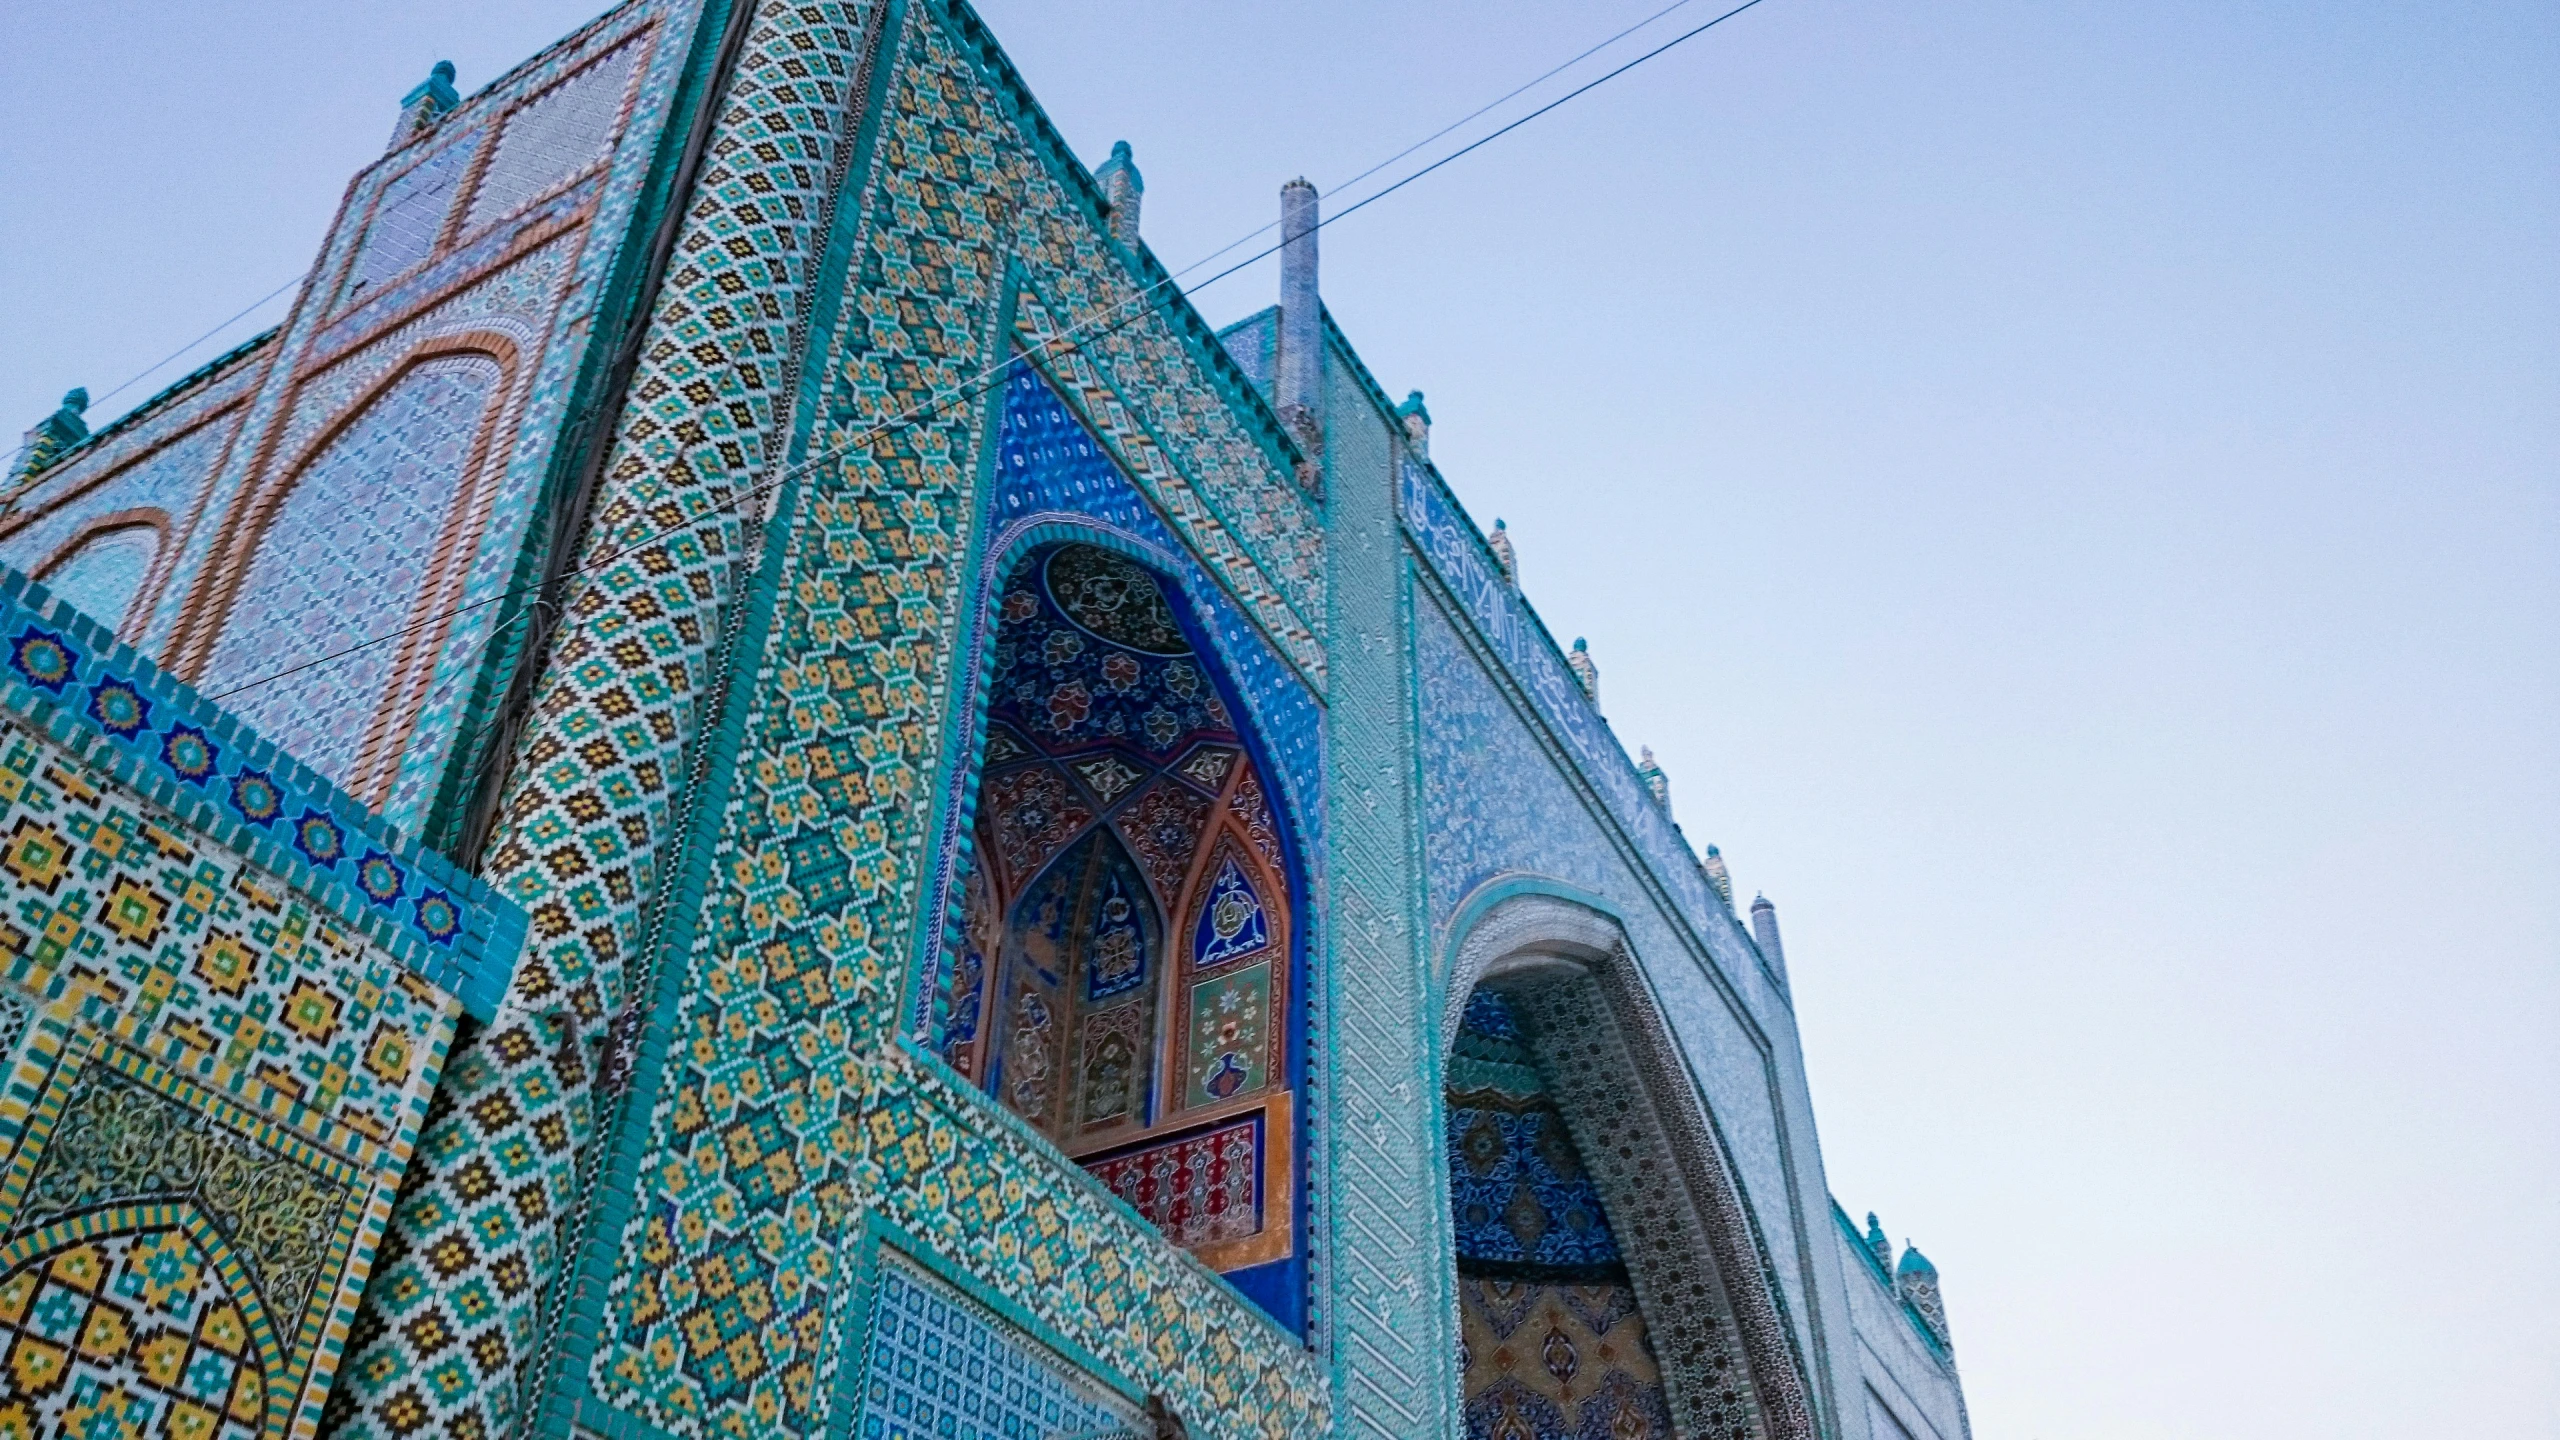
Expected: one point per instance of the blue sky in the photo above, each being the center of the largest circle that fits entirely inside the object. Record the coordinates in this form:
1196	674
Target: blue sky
2070	493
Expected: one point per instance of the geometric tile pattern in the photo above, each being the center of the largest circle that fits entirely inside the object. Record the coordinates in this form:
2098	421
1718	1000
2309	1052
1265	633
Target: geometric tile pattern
164	480
1093	668
411	215
217	1061
555	135
1498	802
101	578
849	697
1521	1197
205	786
589	806
1551	1338
941	1367
1048	464
1443	534
346	559
1558	1361
137	1333
1732	1368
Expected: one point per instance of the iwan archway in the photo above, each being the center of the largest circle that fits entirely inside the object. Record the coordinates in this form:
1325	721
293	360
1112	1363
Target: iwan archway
1609	1282
1127	976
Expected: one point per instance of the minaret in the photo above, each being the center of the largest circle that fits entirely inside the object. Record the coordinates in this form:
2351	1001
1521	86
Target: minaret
1300	383
1499	542
1583	670
421	108
1122	188
46	441
1764	930
1916	1280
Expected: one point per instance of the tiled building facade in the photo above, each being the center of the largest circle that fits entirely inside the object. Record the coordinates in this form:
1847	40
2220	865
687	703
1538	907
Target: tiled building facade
924	845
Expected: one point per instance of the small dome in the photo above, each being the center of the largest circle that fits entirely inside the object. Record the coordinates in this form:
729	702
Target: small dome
1914	1263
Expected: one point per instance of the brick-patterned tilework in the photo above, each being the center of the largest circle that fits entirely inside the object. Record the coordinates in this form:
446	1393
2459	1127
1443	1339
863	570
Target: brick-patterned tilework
347	559
589	803
165	480
788	989
411	215
554	135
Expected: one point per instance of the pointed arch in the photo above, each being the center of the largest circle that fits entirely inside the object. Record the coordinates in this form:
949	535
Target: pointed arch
1123	966
356	542
1567	978
101	568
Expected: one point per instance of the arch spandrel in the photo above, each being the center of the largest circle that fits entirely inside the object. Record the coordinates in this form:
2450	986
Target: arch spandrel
1606	1053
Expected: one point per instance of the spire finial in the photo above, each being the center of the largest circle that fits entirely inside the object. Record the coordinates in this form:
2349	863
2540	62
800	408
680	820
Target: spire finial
1122	189
1499	542
1584	669
51	436
431	100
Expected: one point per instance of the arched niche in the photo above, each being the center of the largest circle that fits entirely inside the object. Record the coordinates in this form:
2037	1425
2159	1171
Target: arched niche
103	567
1555	981
354	546
1127	974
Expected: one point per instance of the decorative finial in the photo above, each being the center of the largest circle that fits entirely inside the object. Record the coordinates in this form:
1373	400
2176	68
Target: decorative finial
1718	878
1122	189
1649	770
1878	1245
1499	542
420	109
51	437
1584	670
1916	1280
1416	418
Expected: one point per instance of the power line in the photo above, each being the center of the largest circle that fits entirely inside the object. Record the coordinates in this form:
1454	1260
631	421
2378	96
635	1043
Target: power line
925	409
190	345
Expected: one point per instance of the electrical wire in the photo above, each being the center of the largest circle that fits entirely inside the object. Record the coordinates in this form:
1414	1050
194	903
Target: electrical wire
190	345
995	374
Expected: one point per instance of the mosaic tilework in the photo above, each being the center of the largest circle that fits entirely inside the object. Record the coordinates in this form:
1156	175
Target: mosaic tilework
850	692
1497	803
1443	534
1048	467
69	684
347	558
1191	511
937	1366
135	1333
218	1054
165	480
101	578
411	215
1387	1277
590	802
1693	1253
555	135
513	302
1518	1191
1552	1342
1546	1361
931	1163
548	334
